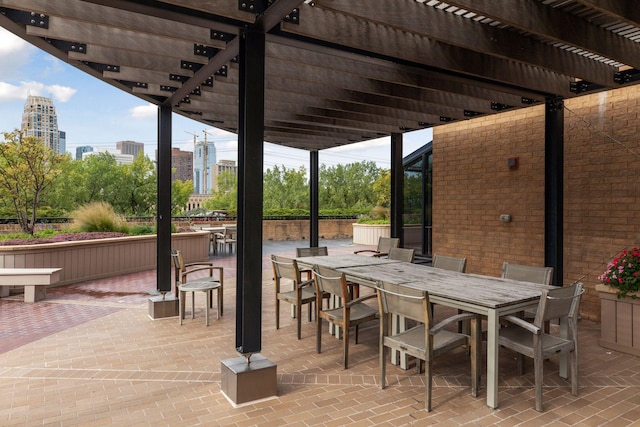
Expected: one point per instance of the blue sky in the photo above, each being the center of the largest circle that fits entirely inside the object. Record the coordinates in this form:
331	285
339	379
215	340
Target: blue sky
97	114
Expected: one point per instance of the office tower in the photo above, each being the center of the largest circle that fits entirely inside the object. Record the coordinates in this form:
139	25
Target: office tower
40	120
203	162
130	147
182	162
83	149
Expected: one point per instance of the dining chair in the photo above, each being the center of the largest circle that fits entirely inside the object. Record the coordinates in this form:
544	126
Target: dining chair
425	341
452	264
207	284
301	292
527	273
531	340
449	263
349	313
311	251
402	254
382	250
227	238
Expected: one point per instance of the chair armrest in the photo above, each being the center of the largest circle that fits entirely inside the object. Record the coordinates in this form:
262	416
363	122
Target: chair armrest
365	250
380	254
523	324
449	320
359	300
306	283
210	269
198	263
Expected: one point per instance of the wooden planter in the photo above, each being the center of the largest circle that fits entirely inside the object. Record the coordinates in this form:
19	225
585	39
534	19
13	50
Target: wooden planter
368	234
620	321
95	259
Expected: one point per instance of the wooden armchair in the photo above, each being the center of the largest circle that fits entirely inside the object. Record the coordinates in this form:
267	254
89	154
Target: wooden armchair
302	292
531	340
382	250
350	312
425	341
207	284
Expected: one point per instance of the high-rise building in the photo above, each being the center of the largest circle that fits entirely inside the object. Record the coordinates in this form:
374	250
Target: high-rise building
63	142
83	149
121	159
130	147
182	162
204	158
40	120
223	166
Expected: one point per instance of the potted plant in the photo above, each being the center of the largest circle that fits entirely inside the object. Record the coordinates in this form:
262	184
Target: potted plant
619	303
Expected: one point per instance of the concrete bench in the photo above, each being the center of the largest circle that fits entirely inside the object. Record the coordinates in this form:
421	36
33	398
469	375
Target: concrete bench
34	280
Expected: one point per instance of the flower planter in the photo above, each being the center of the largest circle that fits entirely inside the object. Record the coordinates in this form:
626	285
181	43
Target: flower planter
620	321
369	234
94	259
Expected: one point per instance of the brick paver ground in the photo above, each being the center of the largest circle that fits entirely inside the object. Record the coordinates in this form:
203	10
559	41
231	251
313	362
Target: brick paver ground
90	355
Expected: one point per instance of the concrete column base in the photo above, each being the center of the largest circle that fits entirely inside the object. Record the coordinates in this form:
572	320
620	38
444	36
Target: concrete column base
243	382
163	307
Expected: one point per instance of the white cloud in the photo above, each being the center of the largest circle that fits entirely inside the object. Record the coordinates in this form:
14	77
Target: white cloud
144	111
10	92
14	53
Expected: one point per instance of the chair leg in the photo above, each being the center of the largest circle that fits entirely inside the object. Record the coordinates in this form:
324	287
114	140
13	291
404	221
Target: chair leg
277	313
319	335
345	345
181	297
476	354
538	363
574	372
428	366
208	294
298	320
193	305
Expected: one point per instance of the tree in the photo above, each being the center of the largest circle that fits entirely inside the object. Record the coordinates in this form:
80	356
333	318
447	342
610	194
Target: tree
286	188
348	186
226	196
138	188
27	169
180	193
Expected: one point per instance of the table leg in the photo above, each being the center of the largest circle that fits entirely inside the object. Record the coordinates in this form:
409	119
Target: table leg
493	325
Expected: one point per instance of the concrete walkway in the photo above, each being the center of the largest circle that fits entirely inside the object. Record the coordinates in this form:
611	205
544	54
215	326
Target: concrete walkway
89	355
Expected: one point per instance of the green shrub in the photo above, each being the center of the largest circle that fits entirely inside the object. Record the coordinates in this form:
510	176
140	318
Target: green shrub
98	216
140	230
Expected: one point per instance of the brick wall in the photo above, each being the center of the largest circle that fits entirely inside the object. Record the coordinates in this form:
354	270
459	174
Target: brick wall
473	185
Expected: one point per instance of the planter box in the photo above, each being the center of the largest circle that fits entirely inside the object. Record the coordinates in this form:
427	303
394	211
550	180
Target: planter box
94	259
620	321
369	234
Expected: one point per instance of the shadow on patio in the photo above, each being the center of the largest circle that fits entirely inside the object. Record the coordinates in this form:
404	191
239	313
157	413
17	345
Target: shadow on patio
90	355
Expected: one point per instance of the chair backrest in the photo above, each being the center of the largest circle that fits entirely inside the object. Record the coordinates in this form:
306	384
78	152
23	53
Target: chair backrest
285	268
526	273
331	281
410	303
402	254
449	263
178	261
386	243
230	231
313	251
559	303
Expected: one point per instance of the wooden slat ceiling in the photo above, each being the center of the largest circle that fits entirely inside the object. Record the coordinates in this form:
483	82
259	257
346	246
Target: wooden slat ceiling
343	71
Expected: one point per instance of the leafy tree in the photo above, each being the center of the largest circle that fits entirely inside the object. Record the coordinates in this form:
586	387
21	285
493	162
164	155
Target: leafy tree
226	196
102	178
348	186
180	192
286	188
68	191
382	188
138	188
27	169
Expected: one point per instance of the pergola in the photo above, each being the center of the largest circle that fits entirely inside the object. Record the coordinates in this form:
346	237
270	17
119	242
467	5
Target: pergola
317	74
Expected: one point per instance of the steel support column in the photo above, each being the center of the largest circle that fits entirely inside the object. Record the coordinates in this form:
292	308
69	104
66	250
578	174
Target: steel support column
397	187
553	187
250	192
314	206
163	215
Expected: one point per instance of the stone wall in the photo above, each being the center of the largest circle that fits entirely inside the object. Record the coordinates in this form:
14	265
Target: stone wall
473	185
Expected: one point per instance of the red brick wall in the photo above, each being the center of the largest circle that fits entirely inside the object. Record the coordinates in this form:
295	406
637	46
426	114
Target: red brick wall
473	185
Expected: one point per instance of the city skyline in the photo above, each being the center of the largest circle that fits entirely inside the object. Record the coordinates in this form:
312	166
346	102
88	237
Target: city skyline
95	114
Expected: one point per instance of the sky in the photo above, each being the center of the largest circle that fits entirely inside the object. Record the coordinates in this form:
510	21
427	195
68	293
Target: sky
97	114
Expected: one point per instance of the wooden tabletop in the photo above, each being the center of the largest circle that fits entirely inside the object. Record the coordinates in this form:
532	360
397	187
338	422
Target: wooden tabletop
342	261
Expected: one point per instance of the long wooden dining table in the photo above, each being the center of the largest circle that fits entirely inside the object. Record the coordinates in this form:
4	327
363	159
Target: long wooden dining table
489	296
